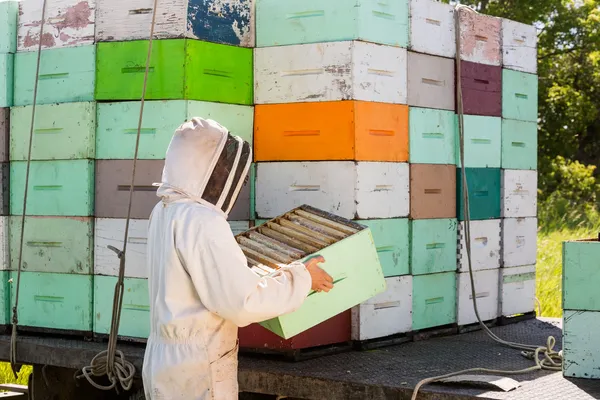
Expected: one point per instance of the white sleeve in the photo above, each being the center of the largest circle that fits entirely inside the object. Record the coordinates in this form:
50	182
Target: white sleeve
226	285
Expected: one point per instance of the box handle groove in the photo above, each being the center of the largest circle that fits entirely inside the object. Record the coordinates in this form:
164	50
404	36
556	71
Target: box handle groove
136	188
481	141
434	246
383	188
521	96
34	243
386	305
49	299
433	21
480	38
136	307
380	132
528	276
306	14
301	133
385	249
59	75
384	15
137	240
481	193
301	72
380	72
433	191
480	295
136	70
482	81
433	135
48	130
433	82
305	188
434	300
217	72
518	144
139	11
483	240
47	187
143	131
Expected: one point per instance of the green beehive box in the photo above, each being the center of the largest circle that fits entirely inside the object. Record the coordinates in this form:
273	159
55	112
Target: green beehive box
483	142
519	95
581	275
581	350
6	80
433	246
433	136
484	193
53	244
54	301
9	11
434	300
179	69
64	131
117	125
519	144
5	307
66	75
56	188
135	312
391	240
350	258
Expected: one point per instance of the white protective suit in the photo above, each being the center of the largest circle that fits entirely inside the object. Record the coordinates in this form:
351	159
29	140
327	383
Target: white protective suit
201	288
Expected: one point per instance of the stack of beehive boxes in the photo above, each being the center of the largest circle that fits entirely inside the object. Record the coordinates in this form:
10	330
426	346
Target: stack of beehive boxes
581	308
199	67
8	46
56	282
331	130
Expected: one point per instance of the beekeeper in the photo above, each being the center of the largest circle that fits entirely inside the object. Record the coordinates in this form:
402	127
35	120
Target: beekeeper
201	289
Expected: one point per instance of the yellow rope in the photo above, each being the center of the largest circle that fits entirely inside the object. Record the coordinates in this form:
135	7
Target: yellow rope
545	357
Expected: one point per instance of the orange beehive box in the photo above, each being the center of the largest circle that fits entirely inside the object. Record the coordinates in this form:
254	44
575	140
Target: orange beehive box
326	131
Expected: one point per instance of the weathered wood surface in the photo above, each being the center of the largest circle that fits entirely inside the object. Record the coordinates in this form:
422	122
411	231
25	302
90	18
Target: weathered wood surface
519	241
486	293
581	350
431	81
517	295
480	37
386	314
485	245
68	23
432	28
349	70
4	243
519	46
351	190
519	193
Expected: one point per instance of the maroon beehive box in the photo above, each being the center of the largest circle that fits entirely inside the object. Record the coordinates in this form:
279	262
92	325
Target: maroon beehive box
481	89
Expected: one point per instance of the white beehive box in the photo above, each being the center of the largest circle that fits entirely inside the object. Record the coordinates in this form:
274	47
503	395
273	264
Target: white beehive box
4	244
517	295
519	193
485	245
487	287
432	28
388	313
519	241
348	70
519	46
363	190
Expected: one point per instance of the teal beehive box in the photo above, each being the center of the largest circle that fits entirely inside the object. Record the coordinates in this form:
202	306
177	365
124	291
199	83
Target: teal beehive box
5	313
9	10
311	21
350	258
483	142
484	193
519	95
433	136
66	75
581	351
519	144
6	80
581	275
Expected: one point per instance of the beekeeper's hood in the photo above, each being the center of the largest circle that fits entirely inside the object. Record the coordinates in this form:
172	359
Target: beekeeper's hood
206	164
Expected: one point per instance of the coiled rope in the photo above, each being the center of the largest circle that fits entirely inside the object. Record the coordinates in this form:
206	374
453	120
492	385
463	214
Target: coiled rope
545	357
112	362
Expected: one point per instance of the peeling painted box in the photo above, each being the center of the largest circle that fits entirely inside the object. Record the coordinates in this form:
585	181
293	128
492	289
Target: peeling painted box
64	131
67	75
9	13
135	310
580	344
481	38
517	295
388	313
433	246
431	81
432	191
118	122
68	23
6	80
485	245
182	69
483	185
364	190
56	188
392	240
62	245
257	339
483	142
519	96
56	302
303	233
219	21
581	275
4	134
4	243
280	23
519	193
324	131
348	70
519	46
113	180
481	89
432	28
432	136
486	295
519	241
519	144
434	300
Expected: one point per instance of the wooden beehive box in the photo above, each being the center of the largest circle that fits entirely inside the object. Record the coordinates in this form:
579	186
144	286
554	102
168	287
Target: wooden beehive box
350	258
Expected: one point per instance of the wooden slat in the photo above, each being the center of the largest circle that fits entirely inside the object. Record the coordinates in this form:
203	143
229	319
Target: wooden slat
306	231
287	240
326	222
298	236
259	257
317	227
263	249
277	245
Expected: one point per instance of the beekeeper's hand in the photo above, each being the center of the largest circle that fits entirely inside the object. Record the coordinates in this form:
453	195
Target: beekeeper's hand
321	281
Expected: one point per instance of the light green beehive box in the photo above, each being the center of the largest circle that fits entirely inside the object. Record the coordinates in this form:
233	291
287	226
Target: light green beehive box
6	80
519	144
5	307
117	125
433	246
9	10
351	260
432	136
581	350
434	300
64	131
135	314
581	275
392	242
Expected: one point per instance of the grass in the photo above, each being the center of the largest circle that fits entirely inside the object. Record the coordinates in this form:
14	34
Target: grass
6	374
